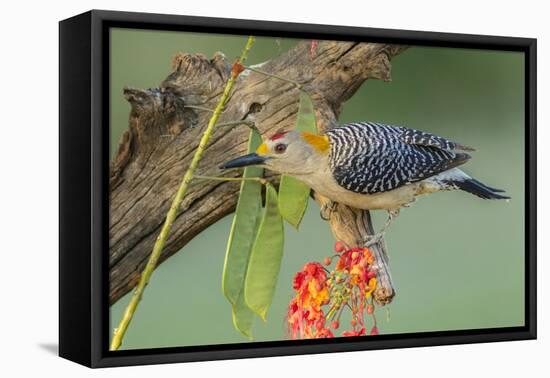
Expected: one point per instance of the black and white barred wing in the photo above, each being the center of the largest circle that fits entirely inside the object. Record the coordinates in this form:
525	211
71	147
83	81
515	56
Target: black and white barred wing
421	138
372	158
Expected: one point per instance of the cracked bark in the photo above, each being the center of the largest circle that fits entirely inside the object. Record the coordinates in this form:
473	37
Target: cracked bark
156	149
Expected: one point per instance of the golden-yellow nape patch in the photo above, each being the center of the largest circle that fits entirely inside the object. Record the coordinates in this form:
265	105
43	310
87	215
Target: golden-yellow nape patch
319	142
262	149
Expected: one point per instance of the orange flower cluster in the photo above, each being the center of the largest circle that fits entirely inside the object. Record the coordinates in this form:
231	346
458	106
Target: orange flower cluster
306	320
348	286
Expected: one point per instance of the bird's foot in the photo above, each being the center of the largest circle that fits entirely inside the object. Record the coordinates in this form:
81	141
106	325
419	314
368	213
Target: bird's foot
408	204
327	209
379	236
392	214
373	239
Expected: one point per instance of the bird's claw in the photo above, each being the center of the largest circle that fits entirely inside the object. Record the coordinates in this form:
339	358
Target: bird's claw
378	237
327	209
370	240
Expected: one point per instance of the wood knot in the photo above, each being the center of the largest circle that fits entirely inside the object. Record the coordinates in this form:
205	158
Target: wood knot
379	68
221	65
194	74
185	61
383	295
147	101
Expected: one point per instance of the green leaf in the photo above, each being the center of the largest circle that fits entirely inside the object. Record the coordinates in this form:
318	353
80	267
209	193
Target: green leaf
293	199
243	229
243	317
293	194
265	258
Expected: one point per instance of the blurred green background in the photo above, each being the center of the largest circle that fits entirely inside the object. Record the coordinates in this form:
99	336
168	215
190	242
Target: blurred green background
457	261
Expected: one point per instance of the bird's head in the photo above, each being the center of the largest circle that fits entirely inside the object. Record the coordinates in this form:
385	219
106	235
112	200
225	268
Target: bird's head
294	153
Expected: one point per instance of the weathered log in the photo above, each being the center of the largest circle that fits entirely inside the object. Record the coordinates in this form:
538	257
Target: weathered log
165	125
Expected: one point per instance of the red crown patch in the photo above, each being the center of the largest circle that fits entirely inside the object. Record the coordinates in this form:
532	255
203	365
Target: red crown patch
278	136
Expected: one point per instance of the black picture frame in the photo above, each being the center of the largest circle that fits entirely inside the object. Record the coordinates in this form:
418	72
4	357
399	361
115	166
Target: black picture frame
84	205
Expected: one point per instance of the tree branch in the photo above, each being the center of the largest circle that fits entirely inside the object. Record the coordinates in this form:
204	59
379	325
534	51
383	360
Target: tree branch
148	167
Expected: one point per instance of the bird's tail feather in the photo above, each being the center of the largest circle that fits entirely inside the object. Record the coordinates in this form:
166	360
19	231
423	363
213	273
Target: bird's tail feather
488	187
479	189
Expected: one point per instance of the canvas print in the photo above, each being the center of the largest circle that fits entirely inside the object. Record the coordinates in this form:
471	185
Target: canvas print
278	189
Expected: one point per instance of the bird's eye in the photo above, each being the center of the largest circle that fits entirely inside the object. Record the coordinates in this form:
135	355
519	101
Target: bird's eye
280	148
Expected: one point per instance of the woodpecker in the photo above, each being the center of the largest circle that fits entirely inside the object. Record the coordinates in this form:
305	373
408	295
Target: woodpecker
369	165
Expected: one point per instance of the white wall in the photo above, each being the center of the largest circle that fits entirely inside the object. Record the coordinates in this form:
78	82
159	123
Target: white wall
28	157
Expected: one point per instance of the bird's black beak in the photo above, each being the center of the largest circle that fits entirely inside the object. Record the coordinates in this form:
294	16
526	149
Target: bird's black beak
244	161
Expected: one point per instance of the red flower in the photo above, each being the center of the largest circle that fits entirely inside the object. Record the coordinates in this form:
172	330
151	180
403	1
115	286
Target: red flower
339	246
324	333
349	285
305	317
361	332
314	269
298	280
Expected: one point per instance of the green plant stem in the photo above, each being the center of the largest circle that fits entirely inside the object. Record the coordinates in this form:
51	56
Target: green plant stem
295	83
171	215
